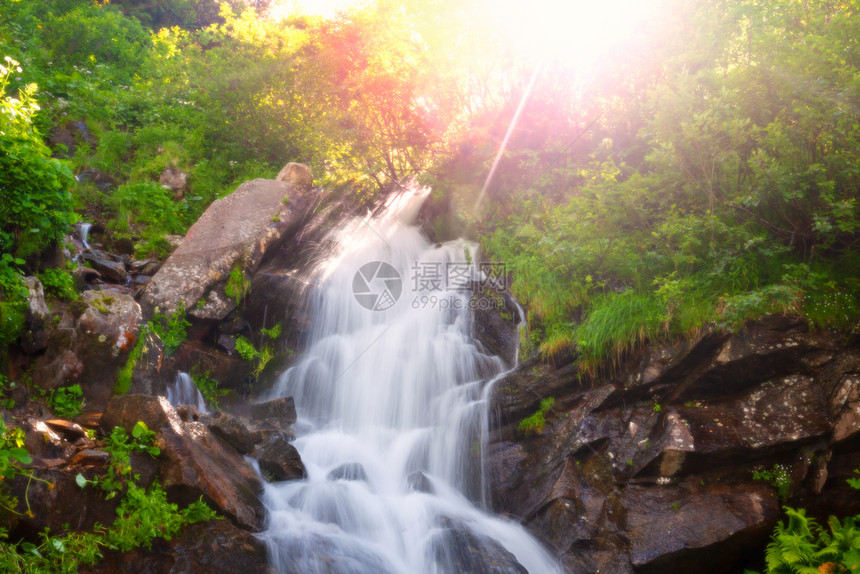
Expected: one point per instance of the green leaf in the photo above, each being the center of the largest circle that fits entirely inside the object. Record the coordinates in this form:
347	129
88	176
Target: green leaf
30	548
81	480
139	429
58	544
21	455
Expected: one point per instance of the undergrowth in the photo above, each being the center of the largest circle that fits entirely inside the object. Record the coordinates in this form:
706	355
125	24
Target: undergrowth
142	516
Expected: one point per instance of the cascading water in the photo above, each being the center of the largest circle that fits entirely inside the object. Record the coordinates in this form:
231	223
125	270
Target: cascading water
389	395
84	231
183	391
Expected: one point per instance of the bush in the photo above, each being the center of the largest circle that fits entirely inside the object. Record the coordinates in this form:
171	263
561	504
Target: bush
35	206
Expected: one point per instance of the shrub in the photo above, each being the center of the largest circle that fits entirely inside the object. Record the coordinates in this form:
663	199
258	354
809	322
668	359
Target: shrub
534	424
35	206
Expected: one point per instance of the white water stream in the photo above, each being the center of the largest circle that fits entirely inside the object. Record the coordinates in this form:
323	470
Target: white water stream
183	391
392	417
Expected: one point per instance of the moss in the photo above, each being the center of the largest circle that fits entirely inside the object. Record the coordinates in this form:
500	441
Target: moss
124	377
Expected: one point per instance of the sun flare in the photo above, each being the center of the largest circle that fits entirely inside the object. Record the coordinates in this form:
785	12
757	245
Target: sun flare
571	32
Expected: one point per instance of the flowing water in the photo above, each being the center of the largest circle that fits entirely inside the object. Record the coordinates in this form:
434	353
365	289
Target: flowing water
392	412
84	231
183	391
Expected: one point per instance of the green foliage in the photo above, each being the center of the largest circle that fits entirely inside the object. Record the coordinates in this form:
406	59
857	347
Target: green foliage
209	388
171	329
149	204
534	424
58	283
35	206
142	516
854	482
250	353
801	546
721	189
778	477
68	401
124	376
238	286
617	322
13	300
12	455
273	332
246	349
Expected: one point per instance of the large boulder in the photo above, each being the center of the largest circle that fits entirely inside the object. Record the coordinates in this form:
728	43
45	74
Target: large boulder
230	237
193	461
89	346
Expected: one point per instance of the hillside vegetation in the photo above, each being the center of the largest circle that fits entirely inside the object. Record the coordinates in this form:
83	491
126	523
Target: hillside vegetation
705	170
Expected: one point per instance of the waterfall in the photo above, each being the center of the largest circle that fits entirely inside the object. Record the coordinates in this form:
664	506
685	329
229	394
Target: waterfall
84	232
185	392
391	416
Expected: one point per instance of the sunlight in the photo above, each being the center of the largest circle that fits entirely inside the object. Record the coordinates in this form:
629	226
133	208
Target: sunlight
325	8
571	32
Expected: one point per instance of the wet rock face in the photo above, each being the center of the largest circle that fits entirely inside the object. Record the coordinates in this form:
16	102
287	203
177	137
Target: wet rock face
35	335
497	319
457	548
193	461
279	460
651	471
234	233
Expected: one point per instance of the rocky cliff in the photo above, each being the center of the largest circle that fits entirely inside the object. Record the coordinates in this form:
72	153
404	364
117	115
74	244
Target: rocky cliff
650	469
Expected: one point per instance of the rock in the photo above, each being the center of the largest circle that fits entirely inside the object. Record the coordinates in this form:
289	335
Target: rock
296	174
329	553
652	469
43	443
348	471
174	240
71	431
84	275
457	548
109	267
694	527
193	462
61	504
35	335
151	268
90	345
279	460
846	403
281	410
175	180
417	481
237	432
90	457
497	320
98	178
234	232
64	139
214	547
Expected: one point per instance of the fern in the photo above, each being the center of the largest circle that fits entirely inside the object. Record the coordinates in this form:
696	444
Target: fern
802	546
